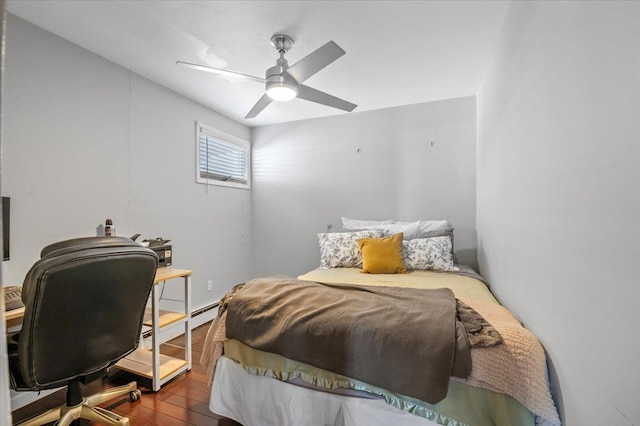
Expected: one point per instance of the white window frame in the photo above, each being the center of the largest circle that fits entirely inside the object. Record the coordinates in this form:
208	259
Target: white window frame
226	139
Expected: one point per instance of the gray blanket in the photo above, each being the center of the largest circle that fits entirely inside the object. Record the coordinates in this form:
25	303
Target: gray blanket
404	340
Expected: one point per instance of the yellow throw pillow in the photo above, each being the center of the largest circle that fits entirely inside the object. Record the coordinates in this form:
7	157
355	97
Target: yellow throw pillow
382	255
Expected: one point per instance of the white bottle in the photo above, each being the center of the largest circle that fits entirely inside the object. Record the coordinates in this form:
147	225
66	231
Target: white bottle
109	230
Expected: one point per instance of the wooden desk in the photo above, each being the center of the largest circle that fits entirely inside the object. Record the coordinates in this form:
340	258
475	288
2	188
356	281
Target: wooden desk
14	317
151	364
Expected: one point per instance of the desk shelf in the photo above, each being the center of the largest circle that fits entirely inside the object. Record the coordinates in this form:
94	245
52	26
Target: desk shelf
140	362
165	319
150	363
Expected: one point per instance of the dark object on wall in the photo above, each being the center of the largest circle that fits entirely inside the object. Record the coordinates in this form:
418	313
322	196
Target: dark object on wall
6	228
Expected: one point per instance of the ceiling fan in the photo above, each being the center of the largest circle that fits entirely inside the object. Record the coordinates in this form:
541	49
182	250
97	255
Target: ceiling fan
284	82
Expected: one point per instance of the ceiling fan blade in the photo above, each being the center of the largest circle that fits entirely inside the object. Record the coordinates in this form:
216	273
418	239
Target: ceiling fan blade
313	95
264	101
220	71
315	61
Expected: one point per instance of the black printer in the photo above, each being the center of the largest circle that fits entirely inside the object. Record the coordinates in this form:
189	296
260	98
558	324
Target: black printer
164	255
162	250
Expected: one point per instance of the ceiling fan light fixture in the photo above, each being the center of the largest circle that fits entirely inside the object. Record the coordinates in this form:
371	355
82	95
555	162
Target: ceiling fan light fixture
281	91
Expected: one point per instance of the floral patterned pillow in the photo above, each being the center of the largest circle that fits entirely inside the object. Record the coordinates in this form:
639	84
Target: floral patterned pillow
429	253
340	249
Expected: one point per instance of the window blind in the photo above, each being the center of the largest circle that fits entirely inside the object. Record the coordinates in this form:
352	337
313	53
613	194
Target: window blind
223	161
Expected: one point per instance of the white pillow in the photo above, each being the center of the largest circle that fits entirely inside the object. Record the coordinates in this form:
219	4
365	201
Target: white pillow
430	228
429	253
362	224
340	249
409	230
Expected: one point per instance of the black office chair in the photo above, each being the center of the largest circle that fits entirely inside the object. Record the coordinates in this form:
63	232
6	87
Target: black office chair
84	306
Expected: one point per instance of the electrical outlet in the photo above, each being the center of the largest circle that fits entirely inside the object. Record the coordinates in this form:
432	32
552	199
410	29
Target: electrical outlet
209	285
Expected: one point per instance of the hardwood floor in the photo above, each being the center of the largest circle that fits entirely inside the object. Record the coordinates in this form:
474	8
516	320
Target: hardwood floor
182	401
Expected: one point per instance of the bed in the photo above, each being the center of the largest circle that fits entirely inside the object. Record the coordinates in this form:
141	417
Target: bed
507	383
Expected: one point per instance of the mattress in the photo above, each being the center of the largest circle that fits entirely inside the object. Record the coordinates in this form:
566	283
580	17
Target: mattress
330	394
467	286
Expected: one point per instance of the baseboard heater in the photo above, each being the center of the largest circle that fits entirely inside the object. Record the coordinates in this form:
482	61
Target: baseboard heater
194	324
205	309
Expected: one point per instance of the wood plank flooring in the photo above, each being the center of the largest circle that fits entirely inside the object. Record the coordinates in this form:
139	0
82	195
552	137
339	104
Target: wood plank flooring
182	401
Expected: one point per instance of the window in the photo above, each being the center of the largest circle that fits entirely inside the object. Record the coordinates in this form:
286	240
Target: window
223	159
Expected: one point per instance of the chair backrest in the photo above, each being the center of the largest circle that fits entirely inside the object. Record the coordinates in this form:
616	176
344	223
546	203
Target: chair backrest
84	307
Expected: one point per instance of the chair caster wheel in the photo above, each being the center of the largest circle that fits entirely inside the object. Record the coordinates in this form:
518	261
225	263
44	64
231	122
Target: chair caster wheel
135	395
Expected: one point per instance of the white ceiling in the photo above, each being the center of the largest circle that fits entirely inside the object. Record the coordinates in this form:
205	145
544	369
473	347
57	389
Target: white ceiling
398	52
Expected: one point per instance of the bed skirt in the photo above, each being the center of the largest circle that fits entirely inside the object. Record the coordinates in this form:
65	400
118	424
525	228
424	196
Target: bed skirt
235	394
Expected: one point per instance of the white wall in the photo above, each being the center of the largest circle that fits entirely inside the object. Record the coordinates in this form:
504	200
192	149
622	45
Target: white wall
86	140
307	174
5	408
558	195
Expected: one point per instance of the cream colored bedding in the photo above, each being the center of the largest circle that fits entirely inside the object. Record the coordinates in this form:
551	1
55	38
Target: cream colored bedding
463	287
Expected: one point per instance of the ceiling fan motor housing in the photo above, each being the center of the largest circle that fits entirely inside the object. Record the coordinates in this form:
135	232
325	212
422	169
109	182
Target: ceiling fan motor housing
280	85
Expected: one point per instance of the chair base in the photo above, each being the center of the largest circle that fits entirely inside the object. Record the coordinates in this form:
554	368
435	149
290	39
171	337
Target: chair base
87	409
